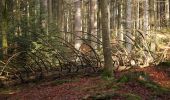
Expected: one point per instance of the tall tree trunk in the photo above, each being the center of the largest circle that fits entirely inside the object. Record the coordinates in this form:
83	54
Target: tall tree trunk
137	15
148	57
113	17
93	23
167	12
158	16
120	21
146	18
18	17
4	28
28	18
108	64
152	11
44	15
128	37
99	26
50	13
60	14
78	24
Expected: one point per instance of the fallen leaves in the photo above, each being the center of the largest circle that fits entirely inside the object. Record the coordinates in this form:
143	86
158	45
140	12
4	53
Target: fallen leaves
87	87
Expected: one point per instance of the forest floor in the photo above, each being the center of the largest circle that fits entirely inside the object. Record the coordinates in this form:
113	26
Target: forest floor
151	83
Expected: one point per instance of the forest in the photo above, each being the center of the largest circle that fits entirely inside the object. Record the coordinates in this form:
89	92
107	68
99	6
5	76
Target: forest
84	49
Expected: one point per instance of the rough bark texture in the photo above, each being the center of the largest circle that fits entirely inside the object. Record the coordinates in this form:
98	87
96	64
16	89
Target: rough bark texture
108	64
148	57
128	36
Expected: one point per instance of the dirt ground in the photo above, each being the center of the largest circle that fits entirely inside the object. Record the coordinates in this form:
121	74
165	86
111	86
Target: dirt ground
95	88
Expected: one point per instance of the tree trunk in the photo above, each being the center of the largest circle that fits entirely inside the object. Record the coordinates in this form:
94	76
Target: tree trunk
78	24
4	29
148	57
44	15
128	37
108	64
120	21
167	12
152	11
99	26
60	14
93	23
50	13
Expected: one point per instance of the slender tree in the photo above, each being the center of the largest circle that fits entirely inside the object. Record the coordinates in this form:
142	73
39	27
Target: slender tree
167	12
78	24
4	28
120	21
128	37
93	23
50	12
148	57
152	12
108	64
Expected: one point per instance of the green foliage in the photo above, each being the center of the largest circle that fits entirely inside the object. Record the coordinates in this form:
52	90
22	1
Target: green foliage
123	79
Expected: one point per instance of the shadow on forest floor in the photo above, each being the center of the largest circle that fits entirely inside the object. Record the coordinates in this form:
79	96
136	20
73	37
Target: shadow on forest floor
136	84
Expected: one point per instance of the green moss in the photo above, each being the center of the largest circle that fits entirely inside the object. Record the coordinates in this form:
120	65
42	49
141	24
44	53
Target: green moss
134	76
164	64
154	87
123	79
58	82
106	73
102	96
130	96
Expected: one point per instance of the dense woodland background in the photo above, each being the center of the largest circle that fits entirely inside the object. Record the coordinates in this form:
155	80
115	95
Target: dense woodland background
85	50
40	36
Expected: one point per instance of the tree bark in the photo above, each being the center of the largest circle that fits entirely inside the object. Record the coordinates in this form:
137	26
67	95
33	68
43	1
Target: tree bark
78	24
50	13
4	29
167	12
108	64
148	57
93	23
120	21
128	37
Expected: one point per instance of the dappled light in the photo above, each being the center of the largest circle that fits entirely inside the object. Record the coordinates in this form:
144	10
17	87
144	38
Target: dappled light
84	49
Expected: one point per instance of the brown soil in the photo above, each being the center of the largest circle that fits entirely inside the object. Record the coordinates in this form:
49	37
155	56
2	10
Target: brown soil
83	87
